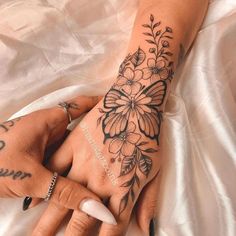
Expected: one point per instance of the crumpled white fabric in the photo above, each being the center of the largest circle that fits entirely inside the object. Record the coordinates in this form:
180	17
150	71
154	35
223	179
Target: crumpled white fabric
52	50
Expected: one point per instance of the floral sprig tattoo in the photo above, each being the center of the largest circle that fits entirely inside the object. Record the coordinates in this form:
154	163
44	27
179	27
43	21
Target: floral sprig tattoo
132	111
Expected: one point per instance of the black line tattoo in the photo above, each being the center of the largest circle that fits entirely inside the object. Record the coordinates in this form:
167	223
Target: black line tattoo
20	175
132	110
5	127
2	126
2	144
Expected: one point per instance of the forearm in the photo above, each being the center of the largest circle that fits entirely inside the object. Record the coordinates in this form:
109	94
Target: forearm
163	31
184	17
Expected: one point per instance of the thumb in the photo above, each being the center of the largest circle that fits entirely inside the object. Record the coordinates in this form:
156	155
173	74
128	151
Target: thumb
147	206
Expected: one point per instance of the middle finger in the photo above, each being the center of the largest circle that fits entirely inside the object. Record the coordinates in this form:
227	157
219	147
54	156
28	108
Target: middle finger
50	220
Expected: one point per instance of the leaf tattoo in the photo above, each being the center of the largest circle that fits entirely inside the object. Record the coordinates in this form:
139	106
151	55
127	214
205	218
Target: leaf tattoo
132	111
145	164
138	57
128	164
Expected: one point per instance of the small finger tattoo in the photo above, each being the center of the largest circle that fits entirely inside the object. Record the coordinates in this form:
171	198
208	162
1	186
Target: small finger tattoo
69	105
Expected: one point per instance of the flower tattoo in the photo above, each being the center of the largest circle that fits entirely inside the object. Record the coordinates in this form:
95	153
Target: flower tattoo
132	112
125	142
129	81
156	70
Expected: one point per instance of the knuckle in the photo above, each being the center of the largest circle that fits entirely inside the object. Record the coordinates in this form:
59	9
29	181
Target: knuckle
57	207
152	207
112	232
65	194
115	230
80	224
39	231
148	210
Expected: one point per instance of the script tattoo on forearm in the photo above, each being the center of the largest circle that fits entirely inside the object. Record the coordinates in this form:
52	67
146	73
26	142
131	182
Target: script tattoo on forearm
15	175
5	127
132	113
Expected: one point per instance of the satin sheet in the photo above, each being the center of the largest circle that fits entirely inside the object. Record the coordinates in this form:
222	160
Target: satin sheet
52	50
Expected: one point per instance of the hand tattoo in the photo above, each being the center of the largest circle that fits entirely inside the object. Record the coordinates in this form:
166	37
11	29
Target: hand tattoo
128	101
14	174
5	127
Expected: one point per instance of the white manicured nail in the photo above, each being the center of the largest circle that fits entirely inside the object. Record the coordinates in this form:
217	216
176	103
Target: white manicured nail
97	210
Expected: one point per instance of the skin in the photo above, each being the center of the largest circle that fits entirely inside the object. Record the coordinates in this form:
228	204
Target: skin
78	152
25	142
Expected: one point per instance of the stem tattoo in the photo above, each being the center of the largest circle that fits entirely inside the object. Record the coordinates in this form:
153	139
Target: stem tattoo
132	112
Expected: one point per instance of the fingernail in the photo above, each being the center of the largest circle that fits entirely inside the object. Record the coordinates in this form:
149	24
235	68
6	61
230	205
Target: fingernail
152	228
26	203
98	211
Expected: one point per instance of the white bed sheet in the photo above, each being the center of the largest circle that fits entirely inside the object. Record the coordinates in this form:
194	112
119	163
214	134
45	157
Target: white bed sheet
52	50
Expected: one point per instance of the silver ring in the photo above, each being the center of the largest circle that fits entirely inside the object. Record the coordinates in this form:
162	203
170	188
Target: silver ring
65	106
51	186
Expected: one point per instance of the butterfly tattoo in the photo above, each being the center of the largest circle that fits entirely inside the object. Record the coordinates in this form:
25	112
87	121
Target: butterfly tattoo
144	107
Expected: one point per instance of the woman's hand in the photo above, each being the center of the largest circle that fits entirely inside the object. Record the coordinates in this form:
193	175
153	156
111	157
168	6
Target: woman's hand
116	169
23	142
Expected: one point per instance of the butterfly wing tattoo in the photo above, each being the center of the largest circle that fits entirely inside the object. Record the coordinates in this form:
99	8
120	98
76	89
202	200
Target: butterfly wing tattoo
116	120
145	105
148	111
